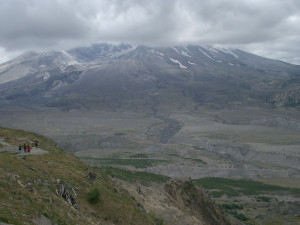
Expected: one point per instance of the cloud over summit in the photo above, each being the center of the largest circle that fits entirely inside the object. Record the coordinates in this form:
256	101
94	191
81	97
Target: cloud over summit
269	28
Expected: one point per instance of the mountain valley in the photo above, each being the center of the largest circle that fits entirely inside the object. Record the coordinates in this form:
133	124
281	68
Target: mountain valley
185	111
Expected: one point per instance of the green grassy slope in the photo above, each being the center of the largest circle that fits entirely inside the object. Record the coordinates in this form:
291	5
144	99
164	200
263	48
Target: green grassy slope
28	188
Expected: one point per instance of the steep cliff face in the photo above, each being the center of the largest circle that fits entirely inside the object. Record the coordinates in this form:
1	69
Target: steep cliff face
178	201
192	199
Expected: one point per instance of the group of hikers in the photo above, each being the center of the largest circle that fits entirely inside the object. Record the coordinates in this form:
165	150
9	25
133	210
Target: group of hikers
26	148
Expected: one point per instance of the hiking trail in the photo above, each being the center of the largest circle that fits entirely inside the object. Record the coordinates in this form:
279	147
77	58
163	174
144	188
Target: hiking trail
6	147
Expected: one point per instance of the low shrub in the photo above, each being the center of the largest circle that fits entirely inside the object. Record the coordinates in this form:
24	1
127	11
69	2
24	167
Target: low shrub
93	196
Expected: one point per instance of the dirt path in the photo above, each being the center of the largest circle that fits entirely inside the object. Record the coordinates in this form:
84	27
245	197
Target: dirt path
15	149
34	151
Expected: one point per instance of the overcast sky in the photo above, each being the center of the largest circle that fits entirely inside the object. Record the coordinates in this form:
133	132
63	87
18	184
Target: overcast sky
269	28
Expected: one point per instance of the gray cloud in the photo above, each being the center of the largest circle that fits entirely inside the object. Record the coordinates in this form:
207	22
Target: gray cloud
268	28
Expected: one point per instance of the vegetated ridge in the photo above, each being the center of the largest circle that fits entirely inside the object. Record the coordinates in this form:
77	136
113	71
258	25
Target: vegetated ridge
57	188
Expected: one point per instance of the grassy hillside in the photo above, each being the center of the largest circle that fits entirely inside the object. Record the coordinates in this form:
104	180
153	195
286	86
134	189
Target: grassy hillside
28	187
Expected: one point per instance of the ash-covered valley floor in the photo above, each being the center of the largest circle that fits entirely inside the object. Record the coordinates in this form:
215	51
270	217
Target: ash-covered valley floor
245	143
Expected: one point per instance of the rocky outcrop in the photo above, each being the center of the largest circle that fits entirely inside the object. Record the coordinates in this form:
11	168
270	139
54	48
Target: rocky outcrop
67	192
191	198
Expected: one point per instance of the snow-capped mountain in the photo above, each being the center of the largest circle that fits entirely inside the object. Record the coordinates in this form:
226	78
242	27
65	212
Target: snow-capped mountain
138	77
31	63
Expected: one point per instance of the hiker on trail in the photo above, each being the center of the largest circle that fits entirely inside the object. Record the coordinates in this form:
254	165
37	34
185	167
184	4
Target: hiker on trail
28	148
20	149
36	143
24	146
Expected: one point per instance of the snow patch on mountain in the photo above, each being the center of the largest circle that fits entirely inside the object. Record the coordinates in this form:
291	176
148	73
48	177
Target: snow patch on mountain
181	52
175	49
69	59
4	67
64	60
191	63
46	76
156	52
31	63
204	53
177	62
228	51
210	49
213	49
185	54
151	51
160	53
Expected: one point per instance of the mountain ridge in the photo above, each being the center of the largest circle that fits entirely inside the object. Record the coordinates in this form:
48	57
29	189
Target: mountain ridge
134	73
